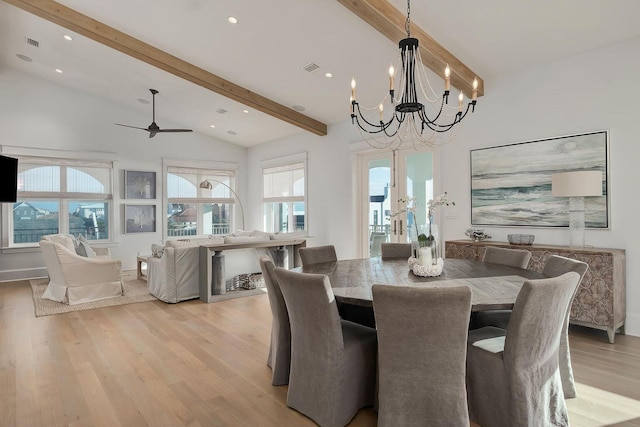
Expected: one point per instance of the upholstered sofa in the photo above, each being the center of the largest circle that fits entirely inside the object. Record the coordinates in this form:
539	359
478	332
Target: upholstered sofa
173	270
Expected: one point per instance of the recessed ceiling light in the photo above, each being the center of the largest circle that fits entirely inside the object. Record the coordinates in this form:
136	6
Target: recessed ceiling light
212	126
58	70
67	37
232	19
24	57
143	101
298	108
245	111
230	132
328	75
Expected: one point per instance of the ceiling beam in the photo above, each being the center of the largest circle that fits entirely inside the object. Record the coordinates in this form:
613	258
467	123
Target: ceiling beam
384	17
108	36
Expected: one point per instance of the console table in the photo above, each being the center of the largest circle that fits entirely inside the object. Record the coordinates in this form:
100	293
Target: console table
600	300
212	262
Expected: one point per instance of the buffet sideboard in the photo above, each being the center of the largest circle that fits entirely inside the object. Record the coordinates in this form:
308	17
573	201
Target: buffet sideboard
600	301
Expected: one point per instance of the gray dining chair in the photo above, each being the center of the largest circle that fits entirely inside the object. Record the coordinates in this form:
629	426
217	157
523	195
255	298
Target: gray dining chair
555	266
317	254
279	358
395	250
512	257
422	341
513	378
333	361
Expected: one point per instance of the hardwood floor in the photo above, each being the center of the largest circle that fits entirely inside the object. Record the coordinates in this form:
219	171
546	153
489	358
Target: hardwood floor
197	364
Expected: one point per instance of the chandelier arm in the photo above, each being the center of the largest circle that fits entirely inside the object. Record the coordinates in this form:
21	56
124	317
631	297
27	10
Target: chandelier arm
379	127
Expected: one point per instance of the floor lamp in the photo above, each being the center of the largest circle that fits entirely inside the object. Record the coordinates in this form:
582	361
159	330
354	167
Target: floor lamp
206	184
576	186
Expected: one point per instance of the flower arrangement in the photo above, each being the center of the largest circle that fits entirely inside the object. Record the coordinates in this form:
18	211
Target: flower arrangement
441	200
410	206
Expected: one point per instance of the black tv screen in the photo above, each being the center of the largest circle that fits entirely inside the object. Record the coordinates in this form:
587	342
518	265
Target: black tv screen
8	179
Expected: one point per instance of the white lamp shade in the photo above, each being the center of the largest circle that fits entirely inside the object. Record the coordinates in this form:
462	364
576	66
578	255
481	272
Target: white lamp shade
576	184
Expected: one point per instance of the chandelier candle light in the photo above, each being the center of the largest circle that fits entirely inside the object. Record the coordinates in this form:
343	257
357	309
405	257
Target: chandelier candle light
409	118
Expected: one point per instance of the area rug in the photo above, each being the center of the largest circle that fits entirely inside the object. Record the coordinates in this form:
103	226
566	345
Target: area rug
134	291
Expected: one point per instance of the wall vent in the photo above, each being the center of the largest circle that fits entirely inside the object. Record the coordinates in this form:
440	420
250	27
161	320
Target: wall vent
32	42
310	67
221	111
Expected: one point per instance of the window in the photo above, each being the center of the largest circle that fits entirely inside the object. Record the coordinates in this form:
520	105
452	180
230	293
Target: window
284	198
195	211
61	196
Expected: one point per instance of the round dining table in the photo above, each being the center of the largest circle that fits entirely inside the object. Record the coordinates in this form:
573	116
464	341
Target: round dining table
493	286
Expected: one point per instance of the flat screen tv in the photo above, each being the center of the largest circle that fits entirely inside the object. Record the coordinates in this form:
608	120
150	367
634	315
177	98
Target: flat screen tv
8	179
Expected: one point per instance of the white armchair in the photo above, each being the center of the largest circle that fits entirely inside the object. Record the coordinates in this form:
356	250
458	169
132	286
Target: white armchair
74	279
175	276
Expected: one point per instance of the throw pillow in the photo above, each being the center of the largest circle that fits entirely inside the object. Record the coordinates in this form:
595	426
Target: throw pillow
86	248
157	250
241	233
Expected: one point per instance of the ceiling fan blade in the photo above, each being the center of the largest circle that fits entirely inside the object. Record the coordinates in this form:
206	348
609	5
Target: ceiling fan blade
134	127
175	130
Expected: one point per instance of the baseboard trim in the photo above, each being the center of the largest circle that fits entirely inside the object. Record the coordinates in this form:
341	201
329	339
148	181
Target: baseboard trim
22	274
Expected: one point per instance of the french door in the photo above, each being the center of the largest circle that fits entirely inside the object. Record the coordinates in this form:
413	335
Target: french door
387	180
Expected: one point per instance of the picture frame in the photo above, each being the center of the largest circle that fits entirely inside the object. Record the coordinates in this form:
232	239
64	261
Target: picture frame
139	185
511	184
139	218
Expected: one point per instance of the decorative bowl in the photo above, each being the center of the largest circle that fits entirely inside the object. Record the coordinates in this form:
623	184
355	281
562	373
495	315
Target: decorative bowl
521	239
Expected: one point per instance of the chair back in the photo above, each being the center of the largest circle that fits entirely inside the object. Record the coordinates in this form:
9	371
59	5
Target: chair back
512	257
535	326
280	348
422	347
317	254
395	250
557	265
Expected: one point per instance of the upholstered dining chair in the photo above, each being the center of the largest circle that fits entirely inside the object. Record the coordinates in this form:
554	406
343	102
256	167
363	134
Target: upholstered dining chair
555	266
395	250
333	361
279	358
512	257
422	340
513	378
317	254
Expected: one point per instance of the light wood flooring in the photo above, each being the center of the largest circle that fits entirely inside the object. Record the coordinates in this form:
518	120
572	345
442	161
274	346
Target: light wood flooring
197	364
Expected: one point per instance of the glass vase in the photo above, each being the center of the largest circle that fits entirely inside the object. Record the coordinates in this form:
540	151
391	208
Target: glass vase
428	245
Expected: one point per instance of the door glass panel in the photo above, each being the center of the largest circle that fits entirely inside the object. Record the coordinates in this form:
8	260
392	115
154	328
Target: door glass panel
379	204
419	175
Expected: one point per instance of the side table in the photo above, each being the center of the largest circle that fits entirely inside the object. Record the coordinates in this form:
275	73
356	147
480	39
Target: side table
142	259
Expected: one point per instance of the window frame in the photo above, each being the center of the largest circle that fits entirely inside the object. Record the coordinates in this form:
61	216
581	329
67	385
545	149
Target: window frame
201	169
64	160
281	162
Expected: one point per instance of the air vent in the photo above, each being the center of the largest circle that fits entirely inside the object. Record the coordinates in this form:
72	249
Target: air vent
32	42
221	111
310	67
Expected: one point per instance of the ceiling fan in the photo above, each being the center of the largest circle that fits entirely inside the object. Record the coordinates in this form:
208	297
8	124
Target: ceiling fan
153	128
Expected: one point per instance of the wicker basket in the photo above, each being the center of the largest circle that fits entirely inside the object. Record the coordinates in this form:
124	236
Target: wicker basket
248	281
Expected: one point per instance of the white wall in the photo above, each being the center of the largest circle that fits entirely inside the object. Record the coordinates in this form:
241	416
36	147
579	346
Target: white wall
596	90
38	114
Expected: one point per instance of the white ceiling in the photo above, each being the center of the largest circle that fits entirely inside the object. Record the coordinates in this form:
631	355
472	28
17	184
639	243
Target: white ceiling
273	39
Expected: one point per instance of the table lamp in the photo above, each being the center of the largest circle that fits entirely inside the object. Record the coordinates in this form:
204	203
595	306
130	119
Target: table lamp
576	186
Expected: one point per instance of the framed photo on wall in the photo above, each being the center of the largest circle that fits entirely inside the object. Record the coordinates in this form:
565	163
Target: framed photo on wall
511	184
139	218
139	185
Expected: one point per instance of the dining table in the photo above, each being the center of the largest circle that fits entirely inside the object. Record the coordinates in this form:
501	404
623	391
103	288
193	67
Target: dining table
493	286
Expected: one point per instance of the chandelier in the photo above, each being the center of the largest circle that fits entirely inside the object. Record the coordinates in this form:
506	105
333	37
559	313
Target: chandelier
411	120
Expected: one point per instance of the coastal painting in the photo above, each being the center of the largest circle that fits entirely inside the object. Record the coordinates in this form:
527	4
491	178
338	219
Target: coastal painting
511	184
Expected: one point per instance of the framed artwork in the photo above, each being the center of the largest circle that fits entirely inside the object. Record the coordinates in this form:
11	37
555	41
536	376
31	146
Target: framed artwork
139	185
511	184
140	218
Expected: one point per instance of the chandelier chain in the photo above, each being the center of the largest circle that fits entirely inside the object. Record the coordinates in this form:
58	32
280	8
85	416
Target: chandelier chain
407	25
